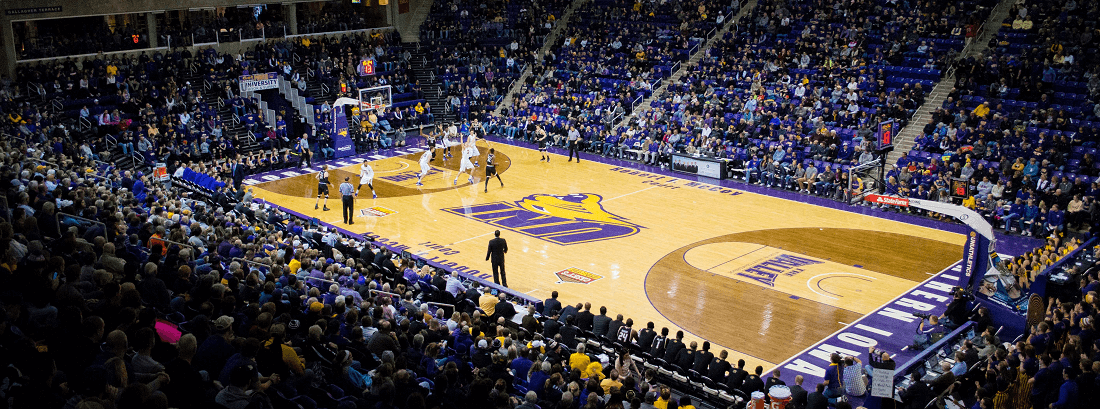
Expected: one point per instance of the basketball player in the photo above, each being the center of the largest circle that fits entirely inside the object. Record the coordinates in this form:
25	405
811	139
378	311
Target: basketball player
491	169
425	166
543	139
449	137
322	187
437	142
366	177
466	166
472	131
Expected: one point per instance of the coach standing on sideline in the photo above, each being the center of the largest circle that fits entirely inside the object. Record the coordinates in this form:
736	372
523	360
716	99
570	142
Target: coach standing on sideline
347	193
497	248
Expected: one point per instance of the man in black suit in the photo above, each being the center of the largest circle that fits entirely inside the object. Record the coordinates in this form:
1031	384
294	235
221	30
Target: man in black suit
817	399
601	322
238	173
569	311
944	381
385	263
798	394
497	248
570	331
613	327
585	318
504	308
440	281
551	326
551	305
917	395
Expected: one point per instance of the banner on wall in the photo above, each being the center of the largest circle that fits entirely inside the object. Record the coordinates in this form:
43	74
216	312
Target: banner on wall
402	6
256	82
340	141
697	166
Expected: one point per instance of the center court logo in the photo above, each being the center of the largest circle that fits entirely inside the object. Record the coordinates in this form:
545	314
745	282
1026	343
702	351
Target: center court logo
562	219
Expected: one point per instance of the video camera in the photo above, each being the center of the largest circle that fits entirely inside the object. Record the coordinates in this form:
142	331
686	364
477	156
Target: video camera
922	315
962	293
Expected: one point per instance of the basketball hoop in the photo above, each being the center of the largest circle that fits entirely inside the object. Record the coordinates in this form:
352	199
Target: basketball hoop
375	98
368	106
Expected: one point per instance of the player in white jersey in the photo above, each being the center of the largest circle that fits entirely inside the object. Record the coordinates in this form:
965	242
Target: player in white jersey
366	177
472	143
447	140
425	166
466	166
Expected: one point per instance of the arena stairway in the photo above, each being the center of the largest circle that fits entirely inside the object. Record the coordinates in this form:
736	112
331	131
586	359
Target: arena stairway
547	42
691	62
235	131
979	45
424	70
316	92
277	102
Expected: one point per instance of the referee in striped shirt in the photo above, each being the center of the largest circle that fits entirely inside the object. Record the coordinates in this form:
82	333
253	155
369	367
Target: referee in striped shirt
347	193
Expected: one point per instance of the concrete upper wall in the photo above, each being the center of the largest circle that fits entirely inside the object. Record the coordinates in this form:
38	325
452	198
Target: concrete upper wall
70	8
85	8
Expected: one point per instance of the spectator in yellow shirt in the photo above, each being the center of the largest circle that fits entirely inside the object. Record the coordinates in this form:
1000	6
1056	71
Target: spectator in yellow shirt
488	303
685	402
666	396
579	360
611	381
294	265
970	202
982	110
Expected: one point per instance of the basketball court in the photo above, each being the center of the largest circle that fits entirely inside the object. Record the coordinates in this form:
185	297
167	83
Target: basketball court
761	276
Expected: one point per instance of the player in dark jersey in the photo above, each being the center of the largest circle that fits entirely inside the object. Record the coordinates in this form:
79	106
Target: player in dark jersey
491	169
543	139
322	187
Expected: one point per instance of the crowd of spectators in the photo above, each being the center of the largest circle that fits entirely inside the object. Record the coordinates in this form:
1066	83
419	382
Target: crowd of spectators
123	292
204	298
789	95
156	297
1021	125
610	56
478	49
167	107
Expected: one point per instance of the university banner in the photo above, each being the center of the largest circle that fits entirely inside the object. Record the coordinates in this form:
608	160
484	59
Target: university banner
402	6
256	82
340	141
